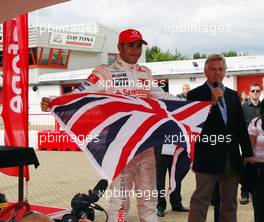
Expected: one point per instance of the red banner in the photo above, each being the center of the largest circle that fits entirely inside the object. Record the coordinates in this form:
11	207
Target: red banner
15	85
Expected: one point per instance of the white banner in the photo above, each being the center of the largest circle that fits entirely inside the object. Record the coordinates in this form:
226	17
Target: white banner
72	39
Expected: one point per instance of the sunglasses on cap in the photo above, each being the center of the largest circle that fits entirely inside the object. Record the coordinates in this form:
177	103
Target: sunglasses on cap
255	90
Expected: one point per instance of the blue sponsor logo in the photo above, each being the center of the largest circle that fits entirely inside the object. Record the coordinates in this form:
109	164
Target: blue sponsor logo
81	88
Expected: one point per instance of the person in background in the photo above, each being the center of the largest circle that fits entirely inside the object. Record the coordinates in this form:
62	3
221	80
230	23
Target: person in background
251	110
183	95
218	160
256	133
243	97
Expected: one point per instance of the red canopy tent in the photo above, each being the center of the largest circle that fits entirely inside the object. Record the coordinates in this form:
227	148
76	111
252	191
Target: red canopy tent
10	9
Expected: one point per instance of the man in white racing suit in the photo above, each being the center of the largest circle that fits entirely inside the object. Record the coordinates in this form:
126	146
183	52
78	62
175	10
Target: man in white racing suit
126	77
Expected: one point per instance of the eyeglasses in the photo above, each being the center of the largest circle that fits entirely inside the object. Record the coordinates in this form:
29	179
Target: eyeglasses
255	90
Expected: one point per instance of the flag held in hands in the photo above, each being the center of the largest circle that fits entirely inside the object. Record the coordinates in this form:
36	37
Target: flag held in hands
112	129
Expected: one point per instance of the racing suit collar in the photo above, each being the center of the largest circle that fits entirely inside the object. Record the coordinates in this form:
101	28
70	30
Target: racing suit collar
124	64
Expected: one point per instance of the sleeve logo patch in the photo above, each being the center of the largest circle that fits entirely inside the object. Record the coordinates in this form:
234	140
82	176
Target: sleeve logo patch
81	88
93	78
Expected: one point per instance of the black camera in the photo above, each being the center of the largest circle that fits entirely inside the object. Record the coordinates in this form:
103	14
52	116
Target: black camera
83	205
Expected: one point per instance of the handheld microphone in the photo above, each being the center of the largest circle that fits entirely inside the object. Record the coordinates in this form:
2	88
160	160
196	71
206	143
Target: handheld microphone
220	98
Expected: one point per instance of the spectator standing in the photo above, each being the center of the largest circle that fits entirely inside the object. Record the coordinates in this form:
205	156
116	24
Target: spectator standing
256	133
243	97
183	95
251	109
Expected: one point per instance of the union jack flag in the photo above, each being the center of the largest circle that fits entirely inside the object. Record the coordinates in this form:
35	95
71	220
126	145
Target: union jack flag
112	129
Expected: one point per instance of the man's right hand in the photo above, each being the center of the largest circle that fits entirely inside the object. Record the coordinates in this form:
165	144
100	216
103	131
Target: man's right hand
45	102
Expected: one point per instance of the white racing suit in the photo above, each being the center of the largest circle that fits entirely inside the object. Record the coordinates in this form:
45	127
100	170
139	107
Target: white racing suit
132	80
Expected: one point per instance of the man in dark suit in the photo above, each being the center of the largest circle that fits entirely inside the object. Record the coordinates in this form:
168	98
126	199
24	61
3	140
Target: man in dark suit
217	155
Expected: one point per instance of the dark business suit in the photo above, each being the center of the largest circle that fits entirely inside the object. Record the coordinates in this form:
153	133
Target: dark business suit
222	161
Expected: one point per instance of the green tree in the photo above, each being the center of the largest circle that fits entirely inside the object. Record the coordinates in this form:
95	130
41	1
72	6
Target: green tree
179	56
199	55
155	54
229	54
151	53
243	54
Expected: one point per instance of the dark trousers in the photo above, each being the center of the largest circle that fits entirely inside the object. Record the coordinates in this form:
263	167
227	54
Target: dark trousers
163	165
215	201
258	197
243	190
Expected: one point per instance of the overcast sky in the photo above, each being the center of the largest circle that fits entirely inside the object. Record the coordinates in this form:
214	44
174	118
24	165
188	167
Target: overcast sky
189	26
